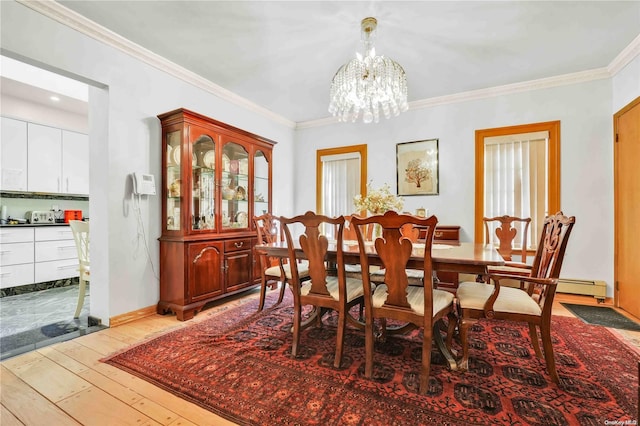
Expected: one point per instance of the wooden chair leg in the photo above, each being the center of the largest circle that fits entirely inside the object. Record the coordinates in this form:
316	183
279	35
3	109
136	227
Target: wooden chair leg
425	367
263	292
465	323
297	313
368	347
82	288
545	334
533	333
283	287
342	325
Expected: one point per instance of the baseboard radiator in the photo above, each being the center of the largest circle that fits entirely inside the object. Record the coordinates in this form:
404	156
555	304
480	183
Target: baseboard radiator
595	288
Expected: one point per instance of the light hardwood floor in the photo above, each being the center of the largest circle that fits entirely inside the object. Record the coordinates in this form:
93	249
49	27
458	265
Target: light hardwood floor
66	384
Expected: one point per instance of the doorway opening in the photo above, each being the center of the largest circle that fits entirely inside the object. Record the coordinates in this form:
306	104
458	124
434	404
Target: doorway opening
39	283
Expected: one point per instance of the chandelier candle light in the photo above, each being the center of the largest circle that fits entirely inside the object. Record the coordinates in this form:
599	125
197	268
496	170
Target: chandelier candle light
368	84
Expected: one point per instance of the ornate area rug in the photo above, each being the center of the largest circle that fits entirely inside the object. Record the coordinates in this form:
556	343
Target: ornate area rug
238	365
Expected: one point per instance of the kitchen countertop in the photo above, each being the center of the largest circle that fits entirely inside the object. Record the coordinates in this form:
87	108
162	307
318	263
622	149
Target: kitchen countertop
24	225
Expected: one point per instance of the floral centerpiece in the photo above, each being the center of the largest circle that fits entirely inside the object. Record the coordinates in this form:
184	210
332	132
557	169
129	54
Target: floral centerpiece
378	201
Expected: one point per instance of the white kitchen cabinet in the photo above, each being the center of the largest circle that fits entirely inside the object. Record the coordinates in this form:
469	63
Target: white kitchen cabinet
45	158
75	163
55	270
39	158
16	275
16	257
13	155
36	254
56	256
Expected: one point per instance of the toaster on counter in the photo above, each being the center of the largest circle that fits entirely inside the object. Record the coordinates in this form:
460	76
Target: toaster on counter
39	216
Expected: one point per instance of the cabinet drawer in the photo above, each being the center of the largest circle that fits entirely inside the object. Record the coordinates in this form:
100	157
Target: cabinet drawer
447	233
16	253
239	244
56	270
14	275
50	233
16	235
55	250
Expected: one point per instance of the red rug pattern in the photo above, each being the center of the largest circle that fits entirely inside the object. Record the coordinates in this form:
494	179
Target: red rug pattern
238	365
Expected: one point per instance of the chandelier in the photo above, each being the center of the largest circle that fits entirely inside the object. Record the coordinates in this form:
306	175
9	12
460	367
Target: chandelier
369	84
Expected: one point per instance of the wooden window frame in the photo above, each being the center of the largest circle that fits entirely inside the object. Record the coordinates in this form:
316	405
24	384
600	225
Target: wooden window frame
360	149
553	167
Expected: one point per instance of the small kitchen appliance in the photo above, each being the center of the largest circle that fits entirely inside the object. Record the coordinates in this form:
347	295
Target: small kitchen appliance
39	216
72	215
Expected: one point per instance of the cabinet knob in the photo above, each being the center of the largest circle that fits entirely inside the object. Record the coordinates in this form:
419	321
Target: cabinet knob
438	234
240	244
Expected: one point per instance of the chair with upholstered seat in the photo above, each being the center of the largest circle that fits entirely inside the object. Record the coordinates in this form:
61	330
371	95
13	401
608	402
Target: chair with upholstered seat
324	290
531	303
420	306
80	232
273	270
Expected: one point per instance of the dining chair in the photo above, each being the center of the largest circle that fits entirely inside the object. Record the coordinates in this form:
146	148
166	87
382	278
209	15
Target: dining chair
531	304
421	306
324	290
80	230
273	270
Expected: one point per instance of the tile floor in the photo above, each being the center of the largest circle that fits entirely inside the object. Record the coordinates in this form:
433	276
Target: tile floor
40	318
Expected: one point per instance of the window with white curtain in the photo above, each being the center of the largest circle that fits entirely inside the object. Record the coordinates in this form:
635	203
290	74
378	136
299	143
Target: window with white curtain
341	174
341	182
515	179
517	174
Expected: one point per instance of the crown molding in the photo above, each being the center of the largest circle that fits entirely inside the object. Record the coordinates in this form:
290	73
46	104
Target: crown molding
508	89
627	55
71	19
316	123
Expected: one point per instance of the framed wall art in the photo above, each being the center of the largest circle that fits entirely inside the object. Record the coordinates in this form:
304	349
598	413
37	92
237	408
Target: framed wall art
417	167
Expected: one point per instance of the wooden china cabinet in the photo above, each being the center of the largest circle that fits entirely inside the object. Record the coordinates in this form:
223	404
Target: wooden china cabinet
215	177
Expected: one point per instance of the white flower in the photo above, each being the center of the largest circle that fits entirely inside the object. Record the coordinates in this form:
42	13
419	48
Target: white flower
378	201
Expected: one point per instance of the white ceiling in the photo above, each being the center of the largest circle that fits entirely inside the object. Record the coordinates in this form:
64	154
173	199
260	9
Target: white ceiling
282	55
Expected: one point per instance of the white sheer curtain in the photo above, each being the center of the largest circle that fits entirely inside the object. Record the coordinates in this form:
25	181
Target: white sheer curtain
515	179
341	182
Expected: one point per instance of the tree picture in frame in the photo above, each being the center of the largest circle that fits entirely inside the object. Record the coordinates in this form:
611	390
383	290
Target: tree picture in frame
417	167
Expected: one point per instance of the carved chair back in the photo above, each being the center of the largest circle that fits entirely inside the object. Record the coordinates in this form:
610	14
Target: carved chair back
506	233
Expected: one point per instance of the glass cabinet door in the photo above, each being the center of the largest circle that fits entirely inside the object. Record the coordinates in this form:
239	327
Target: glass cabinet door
203	184
174	182
260	184
234	186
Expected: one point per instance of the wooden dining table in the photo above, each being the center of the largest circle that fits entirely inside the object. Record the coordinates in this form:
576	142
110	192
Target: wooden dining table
461	257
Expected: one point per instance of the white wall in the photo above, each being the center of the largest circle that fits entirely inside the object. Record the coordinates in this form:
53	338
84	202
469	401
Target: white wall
125	137
586	161
626	85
